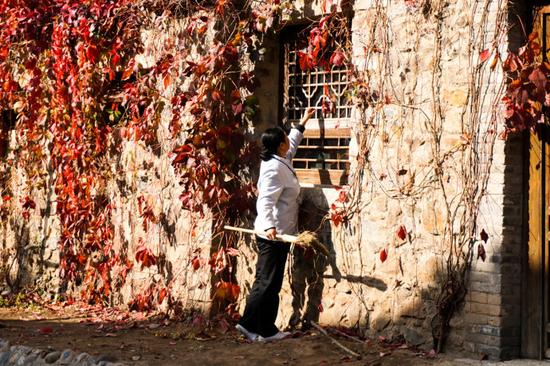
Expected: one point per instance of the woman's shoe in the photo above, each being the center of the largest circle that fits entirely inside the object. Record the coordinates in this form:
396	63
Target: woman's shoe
276	337
248	334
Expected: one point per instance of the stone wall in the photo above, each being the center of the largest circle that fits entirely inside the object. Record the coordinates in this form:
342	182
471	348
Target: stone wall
427	66
430	68
139	172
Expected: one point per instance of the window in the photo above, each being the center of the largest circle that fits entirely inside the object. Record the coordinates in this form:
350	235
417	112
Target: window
323	155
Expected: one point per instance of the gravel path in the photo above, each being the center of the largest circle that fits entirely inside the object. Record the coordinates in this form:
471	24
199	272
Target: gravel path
27	356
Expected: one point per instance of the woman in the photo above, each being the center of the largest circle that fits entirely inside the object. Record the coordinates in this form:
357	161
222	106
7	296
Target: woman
277	207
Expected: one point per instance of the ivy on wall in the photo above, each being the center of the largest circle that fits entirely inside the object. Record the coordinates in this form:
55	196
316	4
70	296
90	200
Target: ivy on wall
70	72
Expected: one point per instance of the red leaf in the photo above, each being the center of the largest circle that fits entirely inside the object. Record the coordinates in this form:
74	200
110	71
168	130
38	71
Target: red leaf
227	291
230	53
236	96
128	71
224	326
216	95
45	330
383	255
28	203
196	263
92	53
235	291
162	294
402	232
146	257
538	78
306	61
115	59
484	55
324	21
481	252
335	216
220	6
343	197
167	80
81	258
337	58
484	236
512	63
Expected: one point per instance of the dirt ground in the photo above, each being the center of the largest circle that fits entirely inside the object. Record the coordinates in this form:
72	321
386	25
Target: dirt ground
138	340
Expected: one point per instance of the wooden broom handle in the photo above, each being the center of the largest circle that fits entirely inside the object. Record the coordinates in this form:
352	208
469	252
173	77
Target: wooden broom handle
284	237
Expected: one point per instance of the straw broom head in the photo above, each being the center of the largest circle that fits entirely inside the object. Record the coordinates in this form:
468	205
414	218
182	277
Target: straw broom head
309	239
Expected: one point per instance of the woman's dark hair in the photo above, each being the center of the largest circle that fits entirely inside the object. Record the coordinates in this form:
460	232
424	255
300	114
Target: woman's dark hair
271	139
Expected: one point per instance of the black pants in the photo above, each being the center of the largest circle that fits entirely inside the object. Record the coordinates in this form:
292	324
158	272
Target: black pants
262	304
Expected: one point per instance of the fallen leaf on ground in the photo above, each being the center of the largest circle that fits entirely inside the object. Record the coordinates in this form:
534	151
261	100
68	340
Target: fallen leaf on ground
45	330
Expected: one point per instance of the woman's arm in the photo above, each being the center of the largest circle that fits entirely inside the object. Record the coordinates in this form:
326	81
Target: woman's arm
307	115
296	134
269	190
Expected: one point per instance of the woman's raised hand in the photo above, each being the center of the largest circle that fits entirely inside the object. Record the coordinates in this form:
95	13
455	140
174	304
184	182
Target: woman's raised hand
307	115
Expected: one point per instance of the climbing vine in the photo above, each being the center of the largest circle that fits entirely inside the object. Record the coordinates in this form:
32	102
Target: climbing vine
71	73
467	163
74	74
527	96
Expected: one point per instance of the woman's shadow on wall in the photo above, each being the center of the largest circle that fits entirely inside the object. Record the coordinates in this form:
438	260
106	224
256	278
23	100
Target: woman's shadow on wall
308	267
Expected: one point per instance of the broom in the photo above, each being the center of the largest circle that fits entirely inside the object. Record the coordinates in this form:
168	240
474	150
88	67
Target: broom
307	239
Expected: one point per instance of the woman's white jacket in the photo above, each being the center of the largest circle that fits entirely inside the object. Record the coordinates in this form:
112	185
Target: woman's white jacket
278	191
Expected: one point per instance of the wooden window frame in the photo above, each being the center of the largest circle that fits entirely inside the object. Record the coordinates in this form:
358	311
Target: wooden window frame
330	128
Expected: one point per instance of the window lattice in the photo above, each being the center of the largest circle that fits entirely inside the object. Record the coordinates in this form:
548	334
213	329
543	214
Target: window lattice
323	153
315	88
326	147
